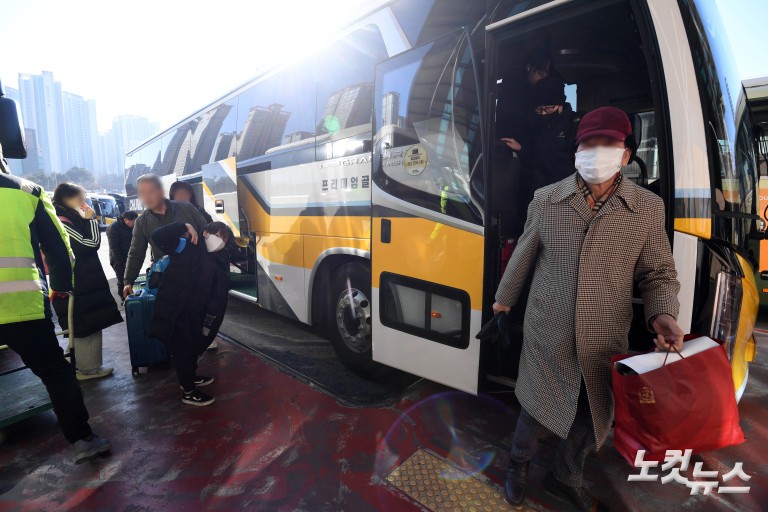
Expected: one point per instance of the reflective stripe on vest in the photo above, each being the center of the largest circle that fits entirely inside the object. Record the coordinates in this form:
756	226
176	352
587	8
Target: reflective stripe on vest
17	262
20	286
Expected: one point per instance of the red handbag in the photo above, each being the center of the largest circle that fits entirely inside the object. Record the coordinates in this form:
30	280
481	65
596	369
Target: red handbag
690	404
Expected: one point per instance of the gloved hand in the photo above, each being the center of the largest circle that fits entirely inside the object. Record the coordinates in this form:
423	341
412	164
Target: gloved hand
53	295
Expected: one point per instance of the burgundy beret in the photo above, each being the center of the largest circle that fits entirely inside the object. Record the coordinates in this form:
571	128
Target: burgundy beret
604	122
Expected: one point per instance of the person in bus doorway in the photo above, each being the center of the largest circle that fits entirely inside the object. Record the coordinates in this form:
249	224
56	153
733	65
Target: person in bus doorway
589	237
95	308
119	235
548	156
25	313
159	212
183	192
515	117
192	298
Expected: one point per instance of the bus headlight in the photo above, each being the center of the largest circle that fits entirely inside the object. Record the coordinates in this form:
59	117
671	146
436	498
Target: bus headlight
725	317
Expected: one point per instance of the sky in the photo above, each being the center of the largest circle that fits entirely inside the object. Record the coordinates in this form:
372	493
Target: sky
164	59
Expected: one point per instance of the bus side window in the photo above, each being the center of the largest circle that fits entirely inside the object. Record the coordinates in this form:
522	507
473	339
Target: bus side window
345	93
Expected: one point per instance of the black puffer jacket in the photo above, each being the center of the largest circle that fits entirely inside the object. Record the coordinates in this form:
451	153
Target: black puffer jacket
195	281
95	308
119	238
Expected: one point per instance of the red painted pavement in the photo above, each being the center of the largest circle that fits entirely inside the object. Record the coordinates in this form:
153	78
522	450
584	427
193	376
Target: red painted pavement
271	442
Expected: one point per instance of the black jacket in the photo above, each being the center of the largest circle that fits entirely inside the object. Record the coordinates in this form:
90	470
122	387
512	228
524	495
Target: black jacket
548	157
95	308
119	238
195	281
146	224
205	214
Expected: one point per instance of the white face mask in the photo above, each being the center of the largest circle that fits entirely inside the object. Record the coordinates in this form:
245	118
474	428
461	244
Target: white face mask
214	243
598	165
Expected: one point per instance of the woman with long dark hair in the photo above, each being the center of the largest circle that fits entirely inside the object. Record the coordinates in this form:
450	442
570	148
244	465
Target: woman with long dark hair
95	308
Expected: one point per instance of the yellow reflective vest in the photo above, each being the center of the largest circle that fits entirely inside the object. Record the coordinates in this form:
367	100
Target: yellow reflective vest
28	222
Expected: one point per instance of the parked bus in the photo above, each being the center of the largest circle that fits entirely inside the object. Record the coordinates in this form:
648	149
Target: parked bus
366	177
757	95
105	208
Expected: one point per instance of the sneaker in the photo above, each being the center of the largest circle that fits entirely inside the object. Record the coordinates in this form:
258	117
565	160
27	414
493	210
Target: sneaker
201	381
213	346
98	374
514	485
578	497
196	397
90	448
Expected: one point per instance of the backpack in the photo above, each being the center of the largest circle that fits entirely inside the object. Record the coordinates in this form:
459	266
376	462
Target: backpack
157	271
155	276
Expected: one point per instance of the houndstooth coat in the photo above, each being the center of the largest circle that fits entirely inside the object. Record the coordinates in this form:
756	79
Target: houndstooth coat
580	304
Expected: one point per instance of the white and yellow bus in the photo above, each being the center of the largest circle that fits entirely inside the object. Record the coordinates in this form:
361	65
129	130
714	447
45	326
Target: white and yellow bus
757	96
366	177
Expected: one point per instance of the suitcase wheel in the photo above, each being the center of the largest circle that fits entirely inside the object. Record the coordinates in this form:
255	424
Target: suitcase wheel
134	372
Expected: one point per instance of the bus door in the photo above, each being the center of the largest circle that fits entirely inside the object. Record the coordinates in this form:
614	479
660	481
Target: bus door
427	247
220	200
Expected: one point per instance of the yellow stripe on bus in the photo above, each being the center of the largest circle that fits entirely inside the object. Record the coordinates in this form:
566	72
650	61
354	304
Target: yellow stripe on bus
699	227
343	226
433	252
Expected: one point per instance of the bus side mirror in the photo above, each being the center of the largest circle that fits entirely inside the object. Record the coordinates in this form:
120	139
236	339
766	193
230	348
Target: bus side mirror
11	132
219	206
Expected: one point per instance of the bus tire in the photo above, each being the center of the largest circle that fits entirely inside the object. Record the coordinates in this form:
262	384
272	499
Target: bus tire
349	317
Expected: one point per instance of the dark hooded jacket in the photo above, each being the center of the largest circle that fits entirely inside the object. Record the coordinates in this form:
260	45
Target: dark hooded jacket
95	307
196	282
119	238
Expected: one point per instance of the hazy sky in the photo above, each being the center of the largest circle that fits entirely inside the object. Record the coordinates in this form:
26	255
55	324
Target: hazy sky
158	58
165	58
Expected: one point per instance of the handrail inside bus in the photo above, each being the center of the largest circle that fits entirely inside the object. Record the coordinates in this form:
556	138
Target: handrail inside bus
525	14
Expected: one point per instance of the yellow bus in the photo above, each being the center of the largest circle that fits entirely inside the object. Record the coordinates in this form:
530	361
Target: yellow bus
757	95
376	203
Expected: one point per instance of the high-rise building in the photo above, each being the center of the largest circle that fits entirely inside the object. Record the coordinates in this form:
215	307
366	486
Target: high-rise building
263	129
297	136
347	107
78	118
129	132
12	93
108	162
43	111
390	109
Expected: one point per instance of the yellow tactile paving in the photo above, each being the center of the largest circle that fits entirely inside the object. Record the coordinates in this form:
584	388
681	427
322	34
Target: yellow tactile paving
443	487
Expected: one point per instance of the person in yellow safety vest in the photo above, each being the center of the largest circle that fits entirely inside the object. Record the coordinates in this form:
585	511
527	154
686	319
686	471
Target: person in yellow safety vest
28	222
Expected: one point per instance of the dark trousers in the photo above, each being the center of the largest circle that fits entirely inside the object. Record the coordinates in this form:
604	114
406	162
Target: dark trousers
572	452
119	272
184	345
35	341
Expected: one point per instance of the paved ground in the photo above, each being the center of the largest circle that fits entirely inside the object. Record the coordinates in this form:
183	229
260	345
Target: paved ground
274	441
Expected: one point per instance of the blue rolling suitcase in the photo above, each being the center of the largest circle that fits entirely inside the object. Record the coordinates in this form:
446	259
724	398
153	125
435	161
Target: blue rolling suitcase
145	351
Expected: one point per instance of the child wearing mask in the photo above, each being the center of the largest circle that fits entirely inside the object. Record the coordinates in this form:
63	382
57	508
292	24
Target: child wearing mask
191	298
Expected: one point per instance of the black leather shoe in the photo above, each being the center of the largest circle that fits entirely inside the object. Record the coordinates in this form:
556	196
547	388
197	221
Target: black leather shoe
514	485
578	497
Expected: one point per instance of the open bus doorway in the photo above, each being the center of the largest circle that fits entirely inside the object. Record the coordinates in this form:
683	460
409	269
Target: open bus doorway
599	54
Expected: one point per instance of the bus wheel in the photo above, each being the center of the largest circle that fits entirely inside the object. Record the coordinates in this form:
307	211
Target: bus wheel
350	316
